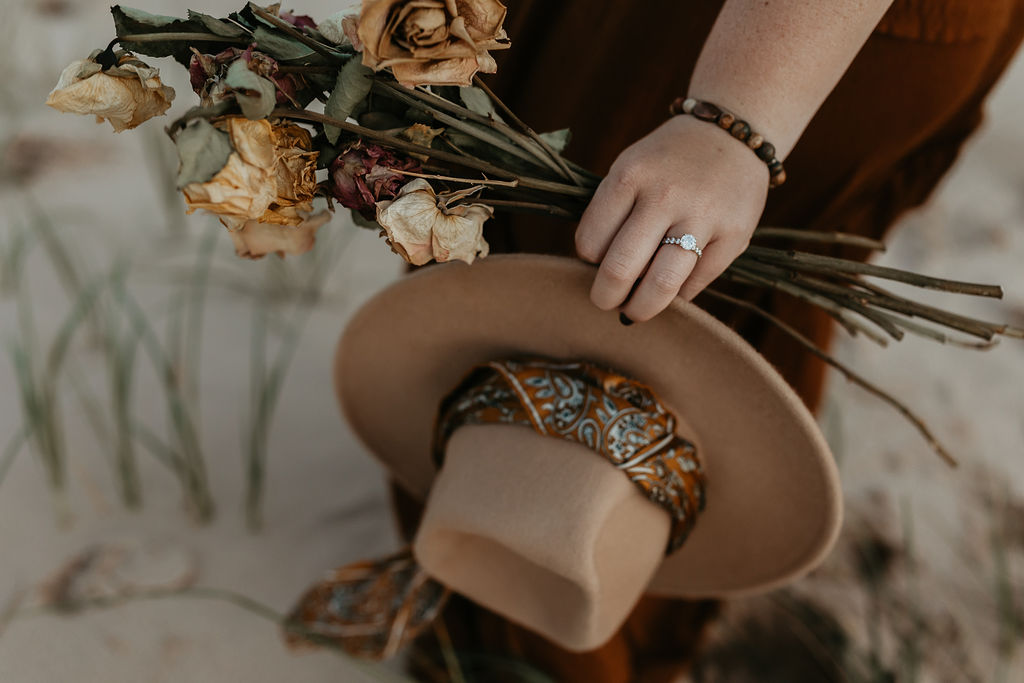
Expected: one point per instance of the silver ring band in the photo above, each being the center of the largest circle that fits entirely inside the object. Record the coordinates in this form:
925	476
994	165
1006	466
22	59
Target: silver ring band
687	242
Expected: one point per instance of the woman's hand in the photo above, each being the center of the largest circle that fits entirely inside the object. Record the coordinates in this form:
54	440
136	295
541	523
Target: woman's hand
688	176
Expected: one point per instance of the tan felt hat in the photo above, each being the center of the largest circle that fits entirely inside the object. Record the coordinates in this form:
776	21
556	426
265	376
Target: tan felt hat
542	530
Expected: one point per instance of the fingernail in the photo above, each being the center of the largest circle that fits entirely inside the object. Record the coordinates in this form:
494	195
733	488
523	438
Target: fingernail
625	320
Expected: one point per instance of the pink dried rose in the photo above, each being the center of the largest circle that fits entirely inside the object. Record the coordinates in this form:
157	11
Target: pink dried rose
268	178
207	74
125	95
365	174
421	229
254	240
432	42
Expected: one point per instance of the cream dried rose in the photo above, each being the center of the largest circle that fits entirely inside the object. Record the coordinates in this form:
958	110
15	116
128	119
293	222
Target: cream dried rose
419	230
254	240
125	95
432	42
268	178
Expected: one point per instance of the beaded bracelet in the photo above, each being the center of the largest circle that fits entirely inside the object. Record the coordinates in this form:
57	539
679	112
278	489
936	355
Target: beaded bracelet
739	129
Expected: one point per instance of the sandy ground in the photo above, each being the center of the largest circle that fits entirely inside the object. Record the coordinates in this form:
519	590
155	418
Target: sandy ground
958	535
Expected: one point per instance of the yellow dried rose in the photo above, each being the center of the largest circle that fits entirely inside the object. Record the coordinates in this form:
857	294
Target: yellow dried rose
268	178
254	240
125	95
432	42
420	229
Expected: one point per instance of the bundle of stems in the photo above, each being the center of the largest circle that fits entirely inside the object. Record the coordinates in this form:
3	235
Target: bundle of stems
487	155
541	181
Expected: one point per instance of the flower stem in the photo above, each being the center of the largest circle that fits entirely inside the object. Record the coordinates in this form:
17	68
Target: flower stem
467	162
161	37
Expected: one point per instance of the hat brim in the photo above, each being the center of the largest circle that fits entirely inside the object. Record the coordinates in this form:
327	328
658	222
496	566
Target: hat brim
774	503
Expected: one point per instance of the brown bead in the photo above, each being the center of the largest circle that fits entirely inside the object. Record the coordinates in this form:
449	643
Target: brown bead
777	173
726	120
705	111
755	141
765	152
740	130
676	108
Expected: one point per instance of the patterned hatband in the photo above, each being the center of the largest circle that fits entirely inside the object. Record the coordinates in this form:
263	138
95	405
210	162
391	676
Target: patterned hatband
617	418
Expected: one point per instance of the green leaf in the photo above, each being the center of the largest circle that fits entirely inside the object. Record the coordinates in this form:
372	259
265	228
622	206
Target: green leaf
478	102
202	151
280	46
131	21
557	139
351	88
218	26
256	95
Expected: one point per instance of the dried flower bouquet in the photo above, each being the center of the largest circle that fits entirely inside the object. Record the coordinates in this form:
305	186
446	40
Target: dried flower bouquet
414	144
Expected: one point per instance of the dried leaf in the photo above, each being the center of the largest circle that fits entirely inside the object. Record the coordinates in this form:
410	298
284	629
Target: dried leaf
256	95
128	21
557	139
351	88
217	26
202	152
280	46
478	102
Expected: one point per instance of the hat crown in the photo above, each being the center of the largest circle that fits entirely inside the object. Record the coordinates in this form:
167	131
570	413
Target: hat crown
541	530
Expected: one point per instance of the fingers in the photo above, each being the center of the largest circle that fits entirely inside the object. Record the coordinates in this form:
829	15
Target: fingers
612	203
711	265
627	258
678	272
670	268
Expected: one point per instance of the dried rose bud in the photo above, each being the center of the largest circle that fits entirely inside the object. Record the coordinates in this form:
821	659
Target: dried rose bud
420	231
364	174
125	95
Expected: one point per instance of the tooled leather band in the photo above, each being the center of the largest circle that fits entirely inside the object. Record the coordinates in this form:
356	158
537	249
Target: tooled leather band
616	417
372	609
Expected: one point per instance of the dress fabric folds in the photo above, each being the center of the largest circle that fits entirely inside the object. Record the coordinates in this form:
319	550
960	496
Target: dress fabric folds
883	139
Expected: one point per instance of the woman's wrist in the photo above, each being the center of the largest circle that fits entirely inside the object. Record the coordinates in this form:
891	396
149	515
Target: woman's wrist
738	128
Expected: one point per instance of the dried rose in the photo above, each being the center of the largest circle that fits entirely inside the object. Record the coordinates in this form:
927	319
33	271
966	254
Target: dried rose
254	240
362	175
208	76
435	42
125	95
269	177
420	229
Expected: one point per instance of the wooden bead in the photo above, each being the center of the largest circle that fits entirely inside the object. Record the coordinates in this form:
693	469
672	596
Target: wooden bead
740	130
765	152
705	111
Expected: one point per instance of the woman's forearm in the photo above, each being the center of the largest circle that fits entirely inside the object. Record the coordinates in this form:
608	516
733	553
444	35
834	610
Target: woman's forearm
773	62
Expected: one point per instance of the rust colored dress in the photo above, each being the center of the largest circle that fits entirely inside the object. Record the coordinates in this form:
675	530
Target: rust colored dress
876	148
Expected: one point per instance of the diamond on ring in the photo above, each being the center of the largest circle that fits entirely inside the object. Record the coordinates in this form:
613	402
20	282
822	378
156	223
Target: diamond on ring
687	242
